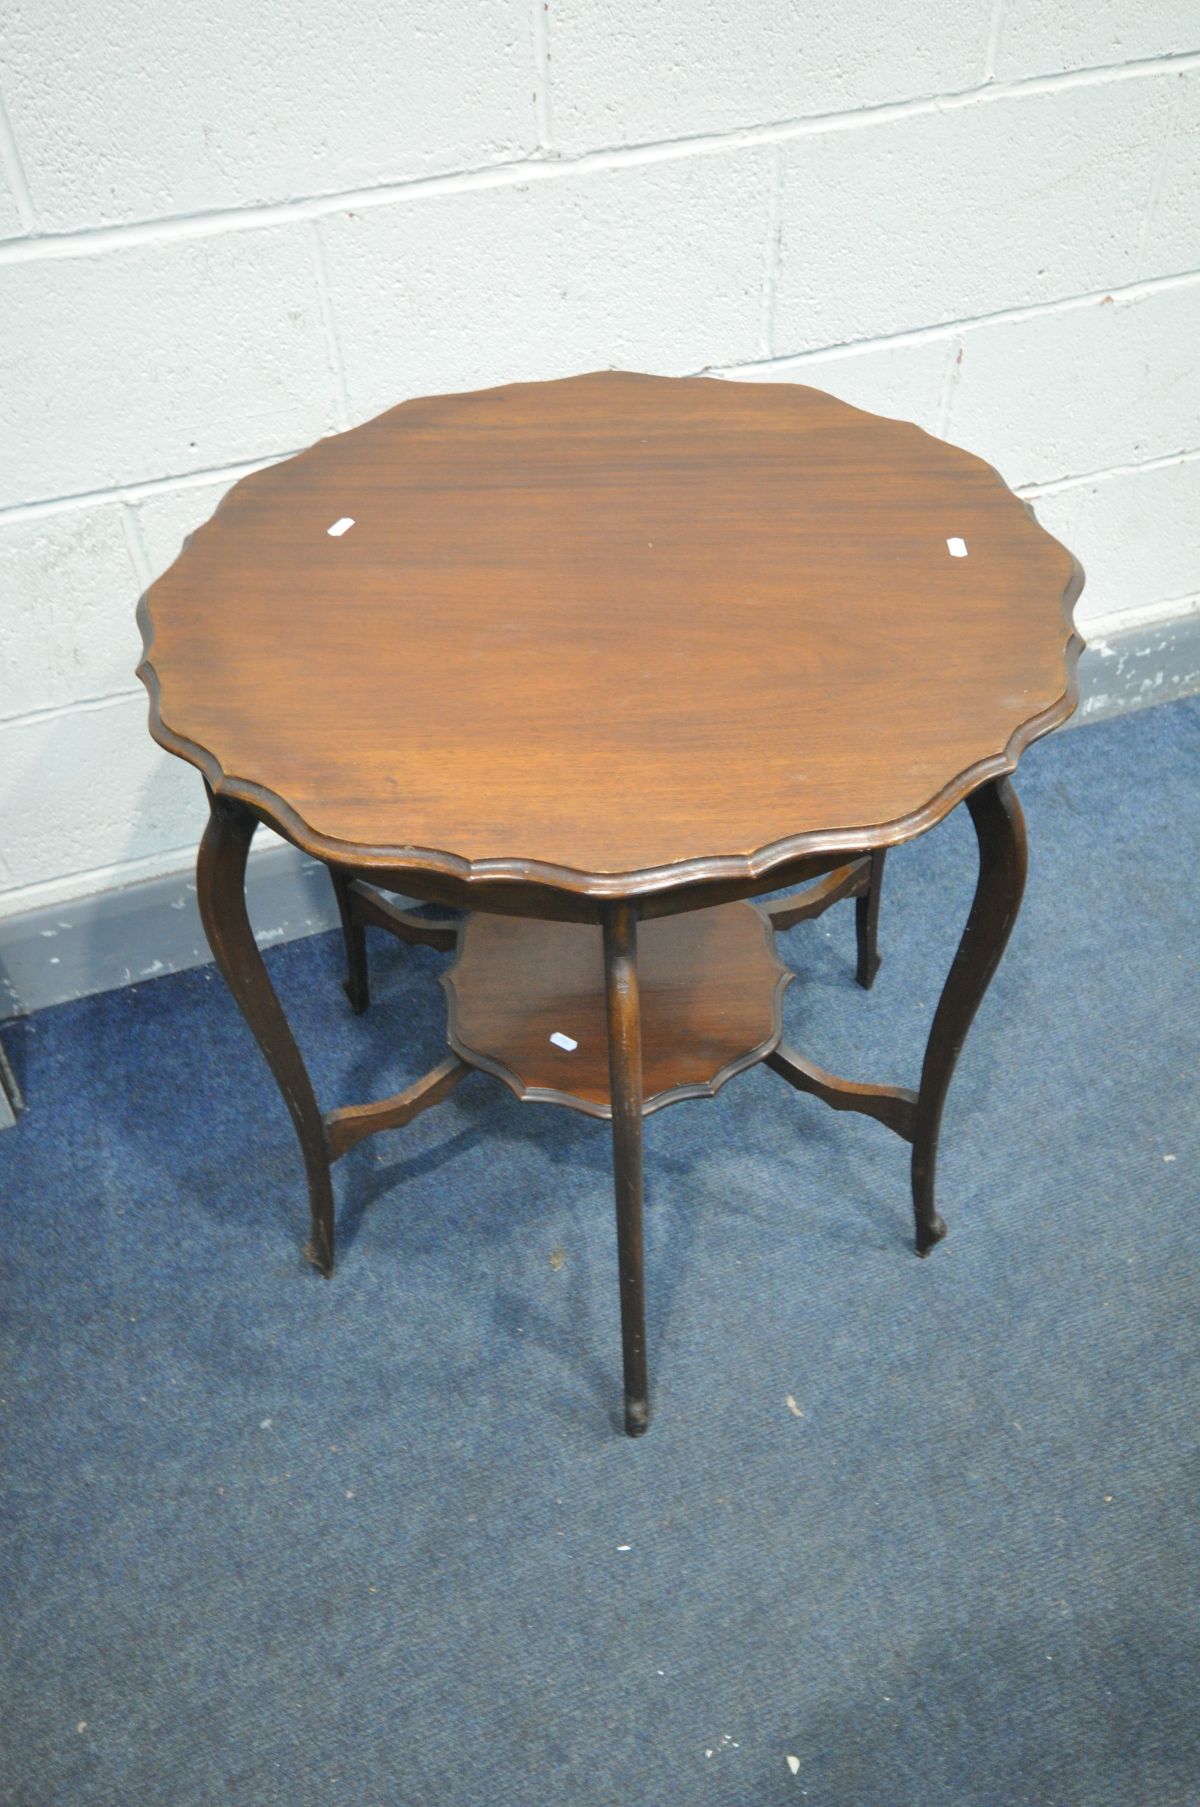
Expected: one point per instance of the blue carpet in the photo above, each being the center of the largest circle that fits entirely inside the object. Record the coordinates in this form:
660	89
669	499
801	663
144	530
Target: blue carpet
272	1539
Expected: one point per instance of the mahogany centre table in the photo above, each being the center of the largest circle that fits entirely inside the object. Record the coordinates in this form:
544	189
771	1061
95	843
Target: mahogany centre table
599	661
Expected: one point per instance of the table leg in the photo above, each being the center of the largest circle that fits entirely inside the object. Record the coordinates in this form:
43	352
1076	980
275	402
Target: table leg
221	889
1000	830
866	922
356	984
625	1077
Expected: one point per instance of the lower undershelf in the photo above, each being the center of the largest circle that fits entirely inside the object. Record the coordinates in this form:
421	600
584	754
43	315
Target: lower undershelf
526	1003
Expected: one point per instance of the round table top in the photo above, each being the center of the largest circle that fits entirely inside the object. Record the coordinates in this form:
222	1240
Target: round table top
612	634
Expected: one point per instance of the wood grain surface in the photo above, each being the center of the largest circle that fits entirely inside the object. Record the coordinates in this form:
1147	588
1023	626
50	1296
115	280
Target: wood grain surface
611	634
710	984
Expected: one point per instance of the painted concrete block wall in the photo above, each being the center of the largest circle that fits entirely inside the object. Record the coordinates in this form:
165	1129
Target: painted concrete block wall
226	231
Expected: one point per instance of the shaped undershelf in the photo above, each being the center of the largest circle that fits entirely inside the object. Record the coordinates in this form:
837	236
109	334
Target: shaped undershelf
526	1003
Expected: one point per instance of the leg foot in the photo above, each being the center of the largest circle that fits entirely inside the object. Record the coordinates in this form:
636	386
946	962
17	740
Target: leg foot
929	1234
625	1076
866	922
221	893
637	1417
1000	831
323	1264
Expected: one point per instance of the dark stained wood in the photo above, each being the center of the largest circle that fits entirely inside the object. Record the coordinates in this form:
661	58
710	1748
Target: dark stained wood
359	905
367	905
352	1123
711	989
862	880
11	1101
611	636
624	1024
602	659
1000	830
507	896
221	894
844	881
356	984
866	921
892	1105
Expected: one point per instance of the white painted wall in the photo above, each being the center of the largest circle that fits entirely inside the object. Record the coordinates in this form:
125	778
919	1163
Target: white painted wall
229	229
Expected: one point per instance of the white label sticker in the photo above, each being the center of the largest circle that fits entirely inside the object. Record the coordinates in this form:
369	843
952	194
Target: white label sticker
340	527
563	1041
957	548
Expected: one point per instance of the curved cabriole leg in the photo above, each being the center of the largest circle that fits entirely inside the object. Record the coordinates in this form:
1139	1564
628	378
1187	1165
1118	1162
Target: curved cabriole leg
1000	828
625	1079
866	922
356	984
221	888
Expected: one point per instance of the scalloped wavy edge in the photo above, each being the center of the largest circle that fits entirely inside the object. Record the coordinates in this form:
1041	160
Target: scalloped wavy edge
491	1064
409	863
